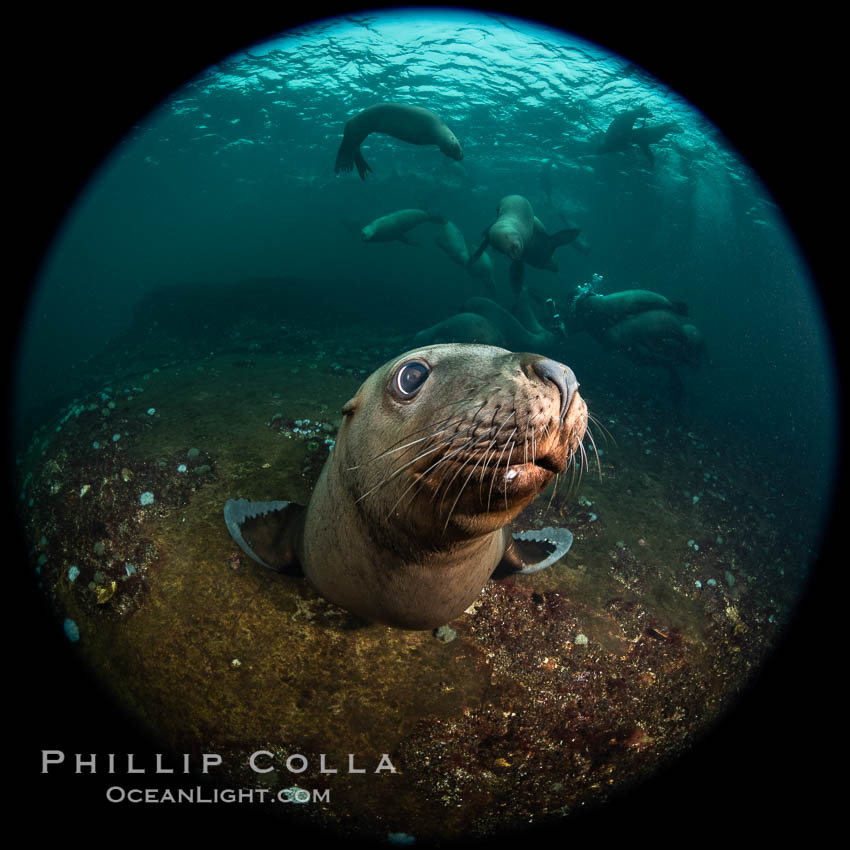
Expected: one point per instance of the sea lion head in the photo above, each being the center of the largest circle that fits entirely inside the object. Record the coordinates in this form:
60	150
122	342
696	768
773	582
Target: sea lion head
450	146
367	233
506	238
449	442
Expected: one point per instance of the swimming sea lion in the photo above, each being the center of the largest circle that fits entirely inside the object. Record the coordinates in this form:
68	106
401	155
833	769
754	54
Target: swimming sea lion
438	451
618	136
606	310
512	230
520	235
412	124
621	134
394	227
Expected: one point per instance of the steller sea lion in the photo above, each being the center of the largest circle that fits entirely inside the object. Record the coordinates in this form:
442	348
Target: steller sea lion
512	230
652	331
412	124
461	327
622	134
618	136
520	235
438	452
606	310
394	226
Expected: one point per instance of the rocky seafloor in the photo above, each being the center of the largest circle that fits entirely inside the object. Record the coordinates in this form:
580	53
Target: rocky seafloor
552	692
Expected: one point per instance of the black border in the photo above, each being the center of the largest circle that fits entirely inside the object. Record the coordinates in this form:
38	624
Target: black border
80	80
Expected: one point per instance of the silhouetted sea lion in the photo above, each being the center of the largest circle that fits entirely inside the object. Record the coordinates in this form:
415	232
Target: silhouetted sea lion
438	452
618	136
621	134
412	124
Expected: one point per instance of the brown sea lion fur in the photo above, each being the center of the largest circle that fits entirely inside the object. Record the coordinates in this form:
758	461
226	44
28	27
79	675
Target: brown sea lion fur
410	515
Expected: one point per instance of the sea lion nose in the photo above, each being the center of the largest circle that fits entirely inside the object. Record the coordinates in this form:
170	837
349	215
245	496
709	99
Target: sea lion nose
562	377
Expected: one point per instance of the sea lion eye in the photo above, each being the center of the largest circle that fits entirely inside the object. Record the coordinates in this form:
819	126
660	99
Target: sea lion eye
410	378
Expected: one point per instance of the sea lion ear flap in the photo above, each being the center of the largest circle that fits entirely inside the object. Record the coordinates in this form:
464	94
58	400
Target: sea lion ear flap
349	407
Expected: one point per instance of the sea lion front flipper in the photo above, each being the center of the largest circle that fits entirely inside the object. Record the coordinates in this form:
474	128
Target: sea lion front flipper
531	551
480	249
517	275
266	531
564	237
363	167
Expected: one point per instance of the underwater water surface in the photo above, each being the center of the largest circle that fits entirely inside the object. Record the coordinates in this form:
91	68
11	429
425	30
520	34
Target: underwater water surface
210	304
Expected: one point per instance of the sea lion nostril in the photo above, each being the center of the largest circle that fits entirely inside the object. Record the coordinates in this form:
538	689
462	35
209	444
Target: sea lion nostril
562	377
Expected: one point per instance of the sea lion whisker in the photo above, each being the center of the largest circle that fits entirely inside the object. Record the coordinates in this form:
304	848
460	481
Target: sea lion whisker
460	468
442	443
420	480
417	482
598	423
554	490
495	471
484	465
414	442
595	451
491	444
394	446
508	466
460	493
386	479
525	443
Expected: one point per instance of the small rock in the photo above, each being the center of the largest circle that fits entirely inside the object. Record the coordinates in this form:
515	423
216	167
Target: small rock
581	639
445	634
72	630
